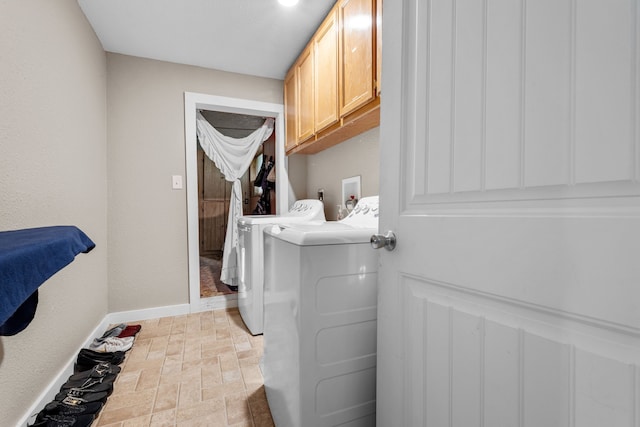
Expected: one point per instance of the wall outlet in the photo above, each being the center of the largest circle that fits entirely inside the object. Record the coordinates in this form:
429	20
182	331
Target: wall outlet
176	182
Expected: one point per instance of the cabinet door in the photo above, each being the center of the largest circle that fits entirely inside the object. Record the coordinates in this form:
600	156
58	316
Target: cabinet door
290	115
356	43
305	99
326	72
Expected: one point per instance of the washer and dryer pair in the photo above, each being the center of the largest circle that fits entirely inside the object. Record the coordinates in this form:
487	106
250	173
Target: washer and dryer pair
320	320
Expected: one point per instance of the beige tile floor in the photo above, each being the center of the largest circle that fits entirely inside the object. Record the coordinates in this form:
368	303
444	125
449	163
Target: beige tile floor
193	370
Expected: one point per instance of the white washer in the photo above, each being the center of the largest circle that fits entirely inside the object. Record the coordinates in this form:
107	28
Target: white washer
250	256
320	321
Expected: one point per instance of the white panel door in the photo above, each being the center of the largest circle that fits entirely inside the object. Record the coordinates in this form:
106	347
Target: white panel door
510	174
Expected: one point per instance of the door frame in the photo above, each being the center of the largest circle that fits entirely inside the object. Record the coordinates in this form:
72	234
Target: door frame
192	103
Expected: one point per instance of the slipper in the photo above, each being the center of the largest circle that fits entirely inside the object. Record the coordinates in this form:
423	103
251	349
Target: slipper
59	408
95	384
87	359
114	357
98	371
65	421
73	396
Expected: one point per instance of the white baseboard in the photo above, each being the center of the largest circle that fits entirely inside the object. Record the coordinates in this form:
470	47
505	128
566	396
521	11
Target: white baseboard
205	304
215	303
148	313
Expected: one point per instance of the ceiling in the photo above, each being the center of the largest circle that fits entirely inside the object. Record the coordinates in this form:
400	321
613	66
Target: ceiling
255	37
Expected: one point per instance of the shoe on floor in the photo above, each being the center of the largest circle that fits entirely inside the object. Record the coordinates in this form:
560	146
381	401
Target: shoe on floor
59	408
115	358
93	384
82	397
87	359
115	331
100	370
64	421
112	344
98	341
130	331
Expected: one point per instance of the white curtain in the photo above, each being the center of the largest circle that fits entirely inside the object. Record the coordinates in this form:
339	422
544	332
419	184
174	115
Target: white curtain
233	157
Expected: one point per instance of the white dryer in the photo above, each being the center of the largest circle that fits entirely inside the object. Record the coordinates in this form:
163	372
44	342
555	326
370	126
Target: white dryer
320	321
250	256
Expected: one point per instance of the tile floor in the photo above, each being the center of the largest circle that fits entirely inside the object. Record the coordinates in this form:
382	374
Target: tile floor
194	370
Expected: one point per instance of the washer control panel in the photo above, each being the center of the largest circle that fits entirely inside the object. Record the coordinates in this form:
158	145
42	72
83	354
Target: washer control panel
311	209
365	214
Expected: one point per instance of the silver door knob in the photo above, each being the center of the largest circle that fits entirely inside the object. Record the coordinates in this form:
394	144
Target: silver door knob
388	241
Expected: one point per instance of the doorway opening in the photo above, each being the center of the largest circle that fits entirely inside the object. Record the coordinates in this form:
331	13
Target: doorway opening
213	105
214	197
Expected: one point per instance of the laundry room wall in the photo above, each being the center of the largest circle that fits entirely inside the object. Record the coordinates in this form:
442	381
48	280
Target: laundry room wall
356	156
53	171
147	218
297	170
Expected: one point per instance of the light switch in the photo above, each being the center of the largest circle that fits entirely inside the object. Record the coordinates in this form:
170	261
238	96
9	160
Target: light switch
176	182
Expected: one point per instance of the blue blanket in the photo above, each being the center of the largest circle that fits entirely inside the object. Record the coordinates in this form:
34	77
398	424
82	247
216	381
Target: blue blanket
28	258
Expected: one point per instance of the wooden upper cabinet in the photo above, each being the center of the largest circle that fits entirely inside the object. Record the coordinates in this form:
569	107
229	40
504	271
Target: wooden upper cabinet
331	91
326	72
357	72
305	94
290	113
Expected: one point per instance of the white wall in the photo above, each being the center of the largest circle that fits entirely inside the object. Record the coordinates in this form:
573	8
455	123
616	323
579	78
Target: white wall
357	156
297	171
53	171
148	263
